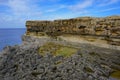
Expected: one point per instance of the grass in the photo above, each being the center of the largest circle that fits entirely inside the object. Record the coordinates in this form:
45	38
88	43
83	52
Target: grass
57	49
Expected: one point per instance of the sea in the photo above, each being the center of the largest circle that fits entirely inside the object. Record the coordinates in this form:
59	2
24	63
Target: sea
11	36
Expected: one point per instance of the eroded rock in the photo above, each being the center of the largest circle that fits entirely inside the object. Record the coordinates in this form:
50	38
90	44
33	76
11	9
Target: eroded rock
21	63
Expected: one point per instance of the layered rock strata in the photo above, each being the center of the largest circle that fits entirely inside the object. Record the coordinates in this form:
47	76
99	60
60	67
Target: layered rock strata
107	26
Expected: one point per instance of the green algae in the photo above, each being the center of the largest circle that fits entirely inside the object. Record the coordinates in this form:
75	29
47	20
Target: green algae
66	51
115	75
57	49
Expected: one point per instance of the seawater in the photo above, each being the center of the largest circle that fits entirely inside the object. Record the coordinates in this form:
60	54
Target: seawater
9	37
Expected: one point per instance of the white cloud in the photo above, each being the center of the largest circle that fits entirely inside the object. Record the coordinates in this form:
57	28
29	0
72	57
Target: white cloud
20	10
109	9
18	6
23	7
108	2
16	12
81	6
54	9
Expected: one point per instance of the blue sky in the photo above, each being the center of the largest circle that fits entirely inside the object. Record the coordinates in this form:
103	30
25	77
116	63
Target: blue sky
14	13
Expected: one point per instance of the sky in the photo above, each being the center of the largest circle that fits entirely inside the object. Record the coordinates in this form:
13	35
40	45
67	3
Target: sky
14	13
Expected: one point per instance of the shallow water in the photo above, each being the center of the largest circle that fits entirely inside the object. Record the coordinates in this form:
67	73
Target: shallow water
10	36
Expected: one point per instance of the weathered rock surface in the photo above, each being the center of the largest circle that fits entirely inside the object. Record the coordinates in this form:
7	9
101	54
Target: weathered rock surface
24	62
107	26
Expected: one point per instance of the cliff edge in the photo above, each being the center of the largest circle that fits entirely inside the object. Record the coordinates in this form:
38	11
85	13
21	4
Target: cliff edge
106	26
103	32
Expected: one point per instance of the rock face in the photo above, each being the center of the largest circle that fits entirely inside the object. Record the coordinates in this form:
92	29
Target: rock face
107	26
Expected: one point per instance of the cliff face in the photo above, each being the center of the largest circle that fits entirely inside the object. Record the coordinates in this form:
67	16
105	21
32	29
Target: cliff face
107	26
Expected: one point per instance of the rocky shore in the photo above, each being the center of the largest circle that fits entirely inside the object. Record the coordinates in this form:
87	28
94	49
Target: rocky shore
25	62
86	49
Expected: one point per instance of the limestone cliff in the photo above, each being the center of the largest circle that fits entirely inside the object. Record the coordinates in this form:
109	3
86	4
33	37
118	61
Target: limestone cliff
107	26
